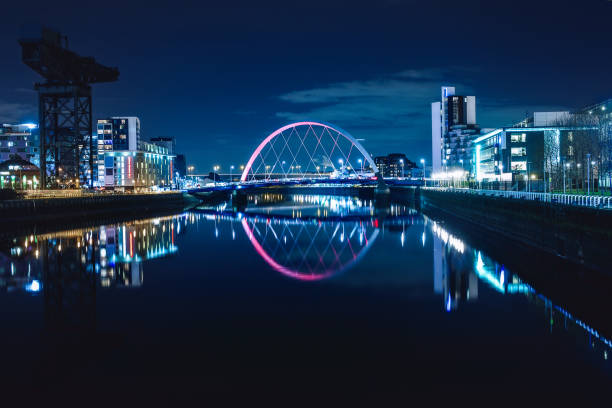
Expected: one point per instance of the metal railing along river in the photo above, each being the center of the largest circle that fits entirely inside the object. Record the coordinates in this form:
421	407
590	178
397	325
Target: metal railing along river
566	199
32	194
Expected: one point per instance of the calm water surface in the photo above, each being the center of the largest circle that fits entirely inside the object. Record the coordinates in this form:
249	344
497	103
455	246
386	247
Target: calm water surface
294	294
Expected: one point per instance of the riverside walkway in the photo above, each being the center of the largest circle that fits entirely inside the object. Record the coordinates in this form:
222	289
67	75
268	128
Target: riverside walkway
565	199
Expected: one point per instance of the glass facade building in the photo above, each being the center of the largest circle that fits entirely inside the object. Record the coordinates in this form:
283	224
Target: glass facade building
453	129
20	140
515	153
127	162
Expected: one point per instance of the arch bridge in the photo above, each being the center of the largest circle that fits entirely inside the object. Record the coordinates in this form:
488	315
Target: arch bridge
306	153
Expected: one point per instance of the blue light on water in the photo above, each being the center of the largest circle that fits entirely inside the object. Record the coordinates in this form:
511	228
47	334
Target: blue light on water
33	286
488	276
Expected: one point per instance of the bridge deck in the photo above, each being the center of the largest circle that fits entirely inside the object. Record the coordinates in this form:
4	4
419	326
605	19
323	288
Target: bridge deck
305	182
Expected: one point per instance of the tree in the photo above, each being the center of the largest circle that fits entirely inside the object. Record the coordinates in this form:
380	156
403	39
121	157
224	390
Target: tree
578	145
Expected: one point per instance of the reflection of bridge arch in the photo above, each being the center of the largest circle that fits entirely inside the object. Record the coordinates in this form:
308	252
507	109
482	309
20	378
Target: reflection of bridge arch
310	250
305	149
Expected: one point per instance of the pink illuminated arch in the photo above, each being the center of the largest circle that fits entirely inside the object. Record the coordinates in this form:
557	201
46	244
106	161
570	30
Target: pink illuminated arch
303	275
328	127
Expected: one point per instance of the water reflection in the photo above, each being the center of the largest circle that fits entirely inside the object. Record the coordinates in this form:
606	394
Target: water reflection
307	238
459	269
115	253
310	237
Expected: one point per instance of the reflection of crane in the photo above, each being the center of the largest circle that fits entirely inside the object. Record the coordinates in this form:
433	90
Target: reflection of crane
64	107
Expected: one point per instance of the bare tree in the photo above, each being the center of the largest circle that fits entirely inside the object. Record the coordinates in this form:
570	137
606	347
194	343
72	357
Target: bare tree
579	145
552	161
605	147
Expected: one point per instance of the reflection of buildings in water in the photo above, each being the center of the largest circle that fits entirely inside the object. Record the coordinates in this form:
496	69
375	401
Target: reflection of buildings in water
123	248
454	277
456	267
17	268
114	252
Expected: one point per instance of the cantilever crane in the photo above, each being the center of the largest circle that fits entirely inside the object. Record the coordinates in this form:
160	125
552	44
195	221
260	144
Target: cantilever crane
64	107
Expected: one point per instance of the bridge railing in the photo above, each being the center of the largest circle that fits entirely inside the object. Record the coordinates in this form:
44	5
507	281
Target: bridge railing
565	199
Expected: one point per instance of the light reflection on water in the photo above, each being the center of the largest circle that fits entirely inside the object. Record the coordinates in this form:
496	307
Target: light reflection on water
306	238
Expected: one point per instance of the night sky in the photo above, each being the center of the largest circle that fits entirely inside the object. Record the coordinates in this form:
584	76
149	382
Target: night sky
219	76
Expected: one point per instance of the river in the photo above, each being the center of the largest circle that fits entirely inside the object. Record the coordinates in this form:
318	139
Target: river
295	294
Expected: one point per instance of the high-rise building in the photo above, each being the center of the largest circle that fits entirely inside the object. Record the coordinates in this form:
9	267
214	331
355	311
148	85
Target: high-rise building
453	127
19	140
125	161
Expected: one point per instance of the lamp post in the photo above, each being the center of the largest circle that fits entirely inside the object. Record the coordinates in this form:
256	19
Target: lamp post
528	177
341	162
588	155
231	168
593	175
283	168
423	164
445	172
215	170
565	165
402	164
360	161
578	175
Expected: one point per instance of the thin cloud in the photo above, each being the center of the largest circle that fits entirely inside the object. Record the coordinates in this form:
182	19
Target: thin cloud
394	104
506	112
11	112
397	106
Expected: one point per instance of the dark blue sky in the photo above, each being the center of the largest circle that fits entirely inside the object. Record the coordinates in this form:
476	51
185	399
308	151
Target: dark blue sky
219	76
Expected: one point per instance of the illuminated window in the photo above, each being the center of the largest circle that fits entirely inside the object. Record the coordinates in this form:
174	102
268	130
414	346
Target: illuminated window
518	138
518	151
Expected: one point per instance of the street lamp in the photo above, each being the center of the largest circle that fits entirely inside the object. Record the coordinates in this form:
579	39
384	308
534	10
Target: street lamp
566	166
593	174
529	176
588	155
231	168
215	170
423	164
445	172
360	164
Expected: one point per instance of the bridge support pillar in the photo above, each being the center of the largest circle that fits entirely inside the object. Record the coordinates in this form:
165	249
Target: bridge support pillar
381	188
239	200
